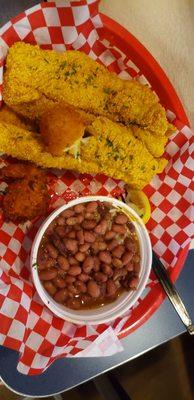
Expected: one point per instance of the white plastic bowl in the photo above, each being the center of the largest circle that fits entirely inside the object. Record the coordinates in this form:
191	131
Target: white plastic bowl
125	301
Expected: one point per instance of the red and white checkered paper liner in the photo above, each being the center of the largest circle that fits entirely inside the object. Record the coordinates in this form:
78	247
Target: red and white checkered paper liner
26	324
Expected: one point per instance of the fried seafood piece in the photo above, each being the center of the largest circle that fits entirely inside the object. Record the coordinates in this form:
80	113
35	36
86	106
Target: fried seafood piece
120	154
112	150
27	197
61	127
35	79
29	146
10	117
52	118
154	144
34	109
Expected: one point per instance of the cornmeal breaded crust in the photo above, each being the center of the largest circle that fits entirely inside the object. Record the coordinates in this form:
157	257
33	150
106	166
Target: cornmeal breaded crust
154	144
61	127
10	117
104	152
120	154
35	79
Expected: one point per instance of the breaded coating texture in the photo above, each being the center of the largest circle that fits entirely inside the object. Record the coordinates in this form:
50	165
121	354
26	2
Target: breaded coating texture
29	146
10	117
61	127
35	78
120	154
27	197
154	144
105	152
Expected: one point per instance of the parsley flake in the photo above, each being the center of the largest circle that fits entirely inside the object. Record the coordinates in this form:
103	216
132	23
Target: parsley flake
109	142
63	64
89	79
106	90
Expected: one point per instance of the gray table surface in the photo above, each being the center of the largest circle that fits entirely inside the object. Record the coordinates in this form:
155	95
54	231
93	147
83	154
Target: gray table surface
65	374
10	8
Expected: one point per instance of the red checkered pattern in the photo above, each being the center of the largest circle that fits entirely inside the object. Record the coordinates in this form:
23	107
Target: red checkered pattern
25	323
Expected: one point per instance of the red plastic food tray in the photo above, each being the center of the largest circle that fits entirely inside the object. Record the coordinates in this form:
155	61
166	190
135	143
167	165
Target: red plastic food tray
78	25
120	37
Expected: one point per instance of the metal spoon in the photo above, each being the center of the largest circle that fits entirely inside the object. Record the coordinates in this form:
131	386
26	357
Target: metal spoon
172	293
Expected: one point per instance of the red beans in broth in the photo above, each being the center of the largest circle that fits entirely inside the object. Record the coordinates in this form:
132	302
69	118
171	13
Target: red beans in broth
89	255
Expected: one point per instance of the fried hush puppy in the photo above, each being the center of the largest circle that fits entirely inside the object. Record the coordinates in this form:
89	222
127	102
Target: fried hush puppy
27	196
60	128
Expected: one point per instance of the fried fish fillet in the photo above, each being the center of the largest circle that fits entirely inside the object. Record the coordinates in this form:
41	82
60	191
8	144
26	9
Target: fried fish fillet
154	144
104	152
62	125
119	154
35	79
9	116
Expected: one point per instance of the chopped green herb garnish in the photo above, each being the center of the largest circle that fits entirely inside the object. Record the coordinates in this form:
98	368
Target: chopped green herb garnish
116	157
46	60
109	142
35	266
106	90
67	73
72	71
63	64
32	67
89	79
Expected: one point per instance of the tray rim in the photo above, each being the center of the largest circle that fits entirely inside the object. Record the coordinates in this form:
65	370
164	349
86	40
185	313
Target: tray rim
156	76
